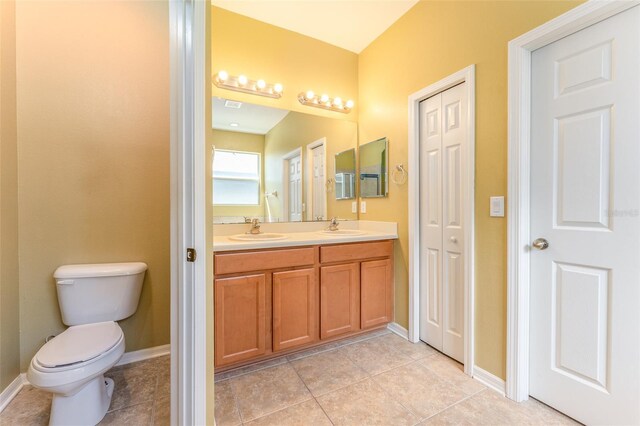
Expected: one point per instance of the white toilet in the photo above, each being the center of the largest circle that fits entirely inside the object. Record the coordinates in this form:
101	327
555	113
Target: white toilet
71	365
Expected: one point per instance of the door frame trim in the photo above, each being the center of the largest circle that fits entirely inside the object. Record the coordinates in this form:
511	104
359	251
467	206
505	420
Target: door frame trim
518	218
309	175
189	378
466	75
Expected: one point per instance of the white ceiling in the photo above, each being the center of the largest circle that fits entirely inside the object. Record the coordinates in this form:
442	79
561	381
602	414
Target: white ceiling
250	118
350	24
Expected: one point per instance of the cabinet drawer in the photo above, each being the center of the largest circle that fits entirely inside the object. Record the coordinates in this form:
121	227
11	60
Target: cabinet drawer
261	260
358	251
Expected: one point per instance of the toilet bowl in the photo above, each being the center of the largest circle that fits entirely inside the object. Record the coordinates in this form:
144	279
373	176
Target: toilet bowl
72	365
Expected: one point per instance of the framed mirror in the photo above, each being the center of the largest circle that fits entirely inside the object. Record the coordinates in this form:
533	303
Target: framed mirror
345	177
282	156
374	169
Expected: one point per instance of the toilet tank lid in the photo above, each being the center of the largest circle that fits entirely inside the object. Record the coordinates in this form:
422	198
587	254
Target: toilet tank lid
99	270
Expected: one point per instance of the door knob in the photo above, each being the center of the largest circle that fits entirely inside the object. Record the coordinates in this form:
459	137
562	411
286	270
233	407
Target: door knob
453	239
540	243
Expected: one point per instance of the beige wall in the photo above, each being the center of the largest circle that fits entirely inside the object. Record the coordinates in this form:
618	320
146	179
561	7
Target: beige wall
222	139
9	290
241	45
93	154
433	40
298	130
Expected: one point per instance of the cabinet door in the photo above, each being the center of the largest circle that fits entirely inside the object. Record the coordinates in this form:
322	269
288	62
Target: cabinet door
240	315
376	288
295	308
339	300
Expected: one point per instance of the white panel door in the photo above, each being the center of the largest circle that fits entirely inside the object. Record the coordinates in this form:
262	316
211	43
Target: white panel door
318	187
442	142
295	189
585	202
431	330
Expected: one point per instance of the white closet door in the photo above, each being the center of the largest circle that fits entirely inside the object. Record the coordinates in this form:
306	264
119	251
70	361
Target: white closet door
442	137
454	134
431	330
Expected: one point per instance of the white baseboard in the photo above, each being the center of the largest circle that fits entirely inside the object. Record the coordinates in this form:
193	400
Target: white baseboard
398	329
7	395
143	354
489	380
12	390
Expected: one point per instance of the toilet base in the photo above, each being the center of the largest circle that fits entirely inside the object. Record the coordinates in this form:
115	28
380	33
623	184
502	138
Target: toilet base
86	407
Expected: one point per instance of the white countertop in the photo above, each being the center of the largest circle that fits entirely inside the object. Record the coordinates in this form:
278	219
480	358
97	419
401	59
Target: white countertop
302	234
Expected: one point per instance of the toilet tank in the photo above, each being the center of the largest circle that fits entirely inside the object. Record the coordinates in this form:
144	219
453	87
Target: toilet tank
98	292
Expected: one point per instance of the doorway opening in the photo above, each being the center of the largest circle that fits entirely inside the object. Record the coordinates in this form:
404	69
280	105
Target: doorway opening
292	181
316	205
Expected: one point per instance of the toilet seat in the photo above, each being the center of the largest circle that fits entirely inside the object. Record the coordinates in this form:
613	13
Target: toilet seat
78	345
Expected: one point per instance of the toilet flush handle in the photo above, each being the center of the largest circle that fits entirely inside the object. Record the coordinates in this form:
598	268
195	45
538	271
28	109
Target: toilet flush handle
65	282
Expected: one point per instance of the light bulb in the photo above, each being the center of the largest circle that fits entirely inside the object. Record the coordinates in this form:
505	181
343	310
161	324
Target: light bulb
243	80
337	102
349	104
260	84
277	88
223	76
324	98
309	95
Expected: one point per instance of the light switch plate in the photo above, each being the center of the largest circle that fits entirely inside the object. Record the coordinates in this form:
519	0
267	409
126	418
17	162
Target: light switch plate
354	207
363	206
496	206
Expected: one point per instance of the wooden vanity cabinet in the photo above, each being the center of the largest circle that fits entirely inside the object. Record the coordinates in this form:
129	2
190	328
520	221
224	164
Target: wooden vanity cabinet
356	290
240	314
295	308
339	300
274	301
264	301
376	287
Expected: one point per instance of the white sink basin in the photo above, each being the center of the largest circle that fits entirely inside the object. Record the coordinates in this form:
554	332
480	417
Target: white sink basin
266	236
343	232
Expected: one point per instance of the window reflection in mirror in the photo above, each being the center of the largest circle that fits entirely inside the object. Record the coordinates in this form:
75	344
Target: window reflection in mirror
236	178
374	159
293	180
345	177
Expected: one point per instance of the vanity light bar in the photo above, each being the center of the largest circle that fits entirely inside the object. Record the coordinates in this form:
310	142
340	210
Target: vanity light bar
244	84
325	102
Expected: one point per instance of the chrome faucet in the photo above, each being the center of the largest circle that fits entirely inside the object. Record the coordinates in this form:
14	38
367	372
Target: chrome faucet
333	226
255	226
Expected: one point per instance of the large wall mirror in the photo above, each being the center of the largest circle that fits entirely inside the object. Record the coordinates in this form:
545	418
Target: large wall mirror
280	166
374	169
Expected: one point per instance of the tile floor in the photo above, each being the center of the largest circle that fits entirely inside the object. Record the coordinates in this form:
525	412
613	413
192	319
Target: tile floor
375	379
141	397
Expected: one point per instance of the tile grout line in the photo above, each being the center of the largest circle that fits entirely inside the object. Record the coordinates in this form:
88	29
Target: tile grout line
454	404
235	402
283	408
311	393
390	395
286	359
155	398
